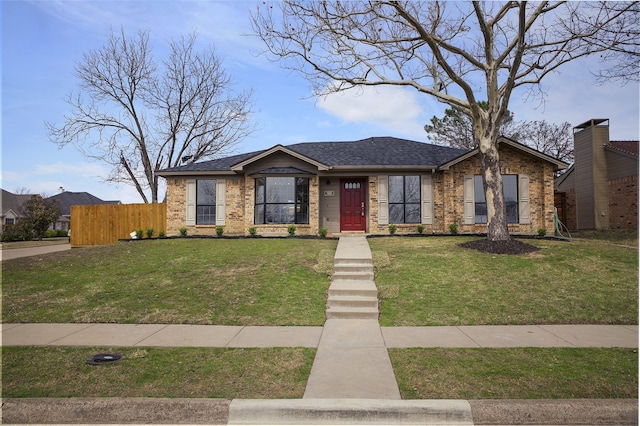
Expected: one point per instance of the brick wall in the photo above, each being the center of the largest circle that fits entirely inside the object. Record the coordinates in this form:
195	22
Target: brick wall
512	162
623	202
176	205
448	205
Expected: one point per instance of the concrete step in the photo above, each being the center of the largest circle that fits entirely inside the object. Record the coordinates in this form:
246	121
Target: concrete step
348	261
364	288
352	302
352	267
351	313
352	275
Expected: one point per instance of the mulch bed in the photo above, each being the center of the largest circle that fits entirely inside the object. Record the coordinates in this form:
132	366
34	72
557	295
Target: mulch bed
500	247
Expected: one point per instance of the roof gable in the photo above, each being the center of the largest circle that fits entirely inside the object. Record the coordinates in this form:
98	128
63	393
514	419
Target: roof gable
13	202
278	148
557	164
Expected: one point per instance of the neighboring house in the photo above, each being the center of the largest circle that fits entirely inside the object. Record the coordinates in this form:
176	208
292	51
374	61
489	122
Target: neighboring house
600	190
360	186
68	199
11	207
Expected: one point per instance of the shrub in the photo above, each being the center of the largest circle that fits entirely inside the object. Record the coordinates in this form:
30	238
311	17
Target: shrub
420	229
139	234
542	232
149	232
62	233
393	228
453	228
219	231
50	233
16	232
252	231
291	229
183	232
322	232
161	234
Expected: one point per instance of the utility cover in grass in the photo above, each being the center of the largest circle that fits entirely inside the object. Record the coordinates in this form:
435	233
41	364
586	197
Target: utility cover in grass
102	359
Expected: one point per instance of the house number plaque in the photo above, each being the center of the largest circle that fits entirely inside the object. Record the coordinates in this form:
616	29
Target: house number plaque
329	193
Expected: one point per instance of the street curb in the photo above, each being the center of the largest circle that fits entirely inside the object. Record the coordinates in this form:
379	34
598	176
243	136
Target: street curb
317	411
555	412
115	410
349	412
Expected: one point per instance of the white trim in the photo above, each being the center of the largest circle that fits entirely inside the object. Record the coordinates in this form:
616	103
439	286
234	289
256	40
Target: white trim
427	199
383	200
221	198
469	201
191	203
524	202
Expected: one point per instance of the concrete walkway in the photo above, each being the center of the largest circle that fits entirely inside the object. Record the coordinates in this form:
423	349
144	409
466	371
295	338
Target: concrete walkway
14	253
352	359
216	336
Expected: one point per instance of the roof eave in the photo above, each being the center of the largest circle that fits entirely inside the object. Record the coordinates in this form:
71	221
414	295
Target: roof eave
382	167
196	173
239	167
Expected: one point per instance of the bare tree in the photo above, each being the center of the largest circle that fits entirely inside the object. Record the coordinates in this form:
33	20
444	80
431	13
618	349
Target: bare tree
457	52
456	129
140	116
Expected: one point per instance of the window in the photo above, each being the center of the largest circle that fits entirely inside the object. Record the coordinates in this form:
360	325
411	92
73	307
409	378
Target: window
8	221
206	202
404	199
281	200
510	190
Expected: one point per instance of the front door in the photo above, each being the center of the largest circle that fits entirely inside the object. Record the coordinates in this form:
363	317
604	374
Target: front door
353	208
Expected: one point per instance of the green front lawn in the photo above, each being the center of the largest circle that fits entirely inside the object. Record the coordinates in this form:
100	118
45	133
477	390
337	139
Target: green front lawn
174	281
433	281
156	372
516	373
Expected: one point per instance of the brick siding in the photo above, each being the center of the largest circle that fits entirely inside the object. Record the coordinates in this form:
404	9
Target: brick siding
623	203
448	206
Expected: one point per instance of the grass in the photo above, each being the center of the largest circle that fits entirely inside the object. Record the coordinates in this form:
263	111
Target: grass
432	281
516	373
421	281
276	373
177	281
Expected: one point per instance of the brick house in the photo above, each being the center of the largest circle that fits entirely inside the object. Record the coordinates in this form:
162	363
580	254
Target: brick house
359	186
600	189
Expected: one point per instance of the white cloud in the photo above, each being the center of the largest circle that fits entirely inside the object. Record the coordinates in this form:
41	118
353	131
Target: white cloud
391	108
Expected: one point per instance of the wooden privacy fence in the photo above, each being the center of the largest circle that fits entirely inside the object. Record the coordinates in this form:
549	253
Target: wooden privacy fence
107	223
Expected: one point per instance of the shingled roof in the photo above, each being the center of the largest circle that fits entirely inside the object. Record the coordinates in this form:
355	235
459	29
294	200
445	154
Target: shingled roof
375	151
68	199
629	147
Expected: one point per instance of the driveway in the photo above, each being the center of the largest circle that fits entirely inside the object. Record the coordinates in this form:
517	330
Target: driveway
15	253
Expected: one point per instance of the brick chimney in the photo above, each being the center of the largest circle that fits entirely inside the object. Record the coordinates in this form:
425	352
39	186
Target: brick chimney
590	166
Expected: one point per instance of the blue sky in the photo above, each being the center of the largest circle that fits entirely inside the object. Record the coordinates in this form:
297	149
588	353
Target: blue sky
42	40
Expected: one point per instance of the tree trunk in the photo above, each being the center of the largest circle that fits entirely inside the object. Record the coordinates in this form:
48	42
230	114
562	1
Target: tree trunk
497	229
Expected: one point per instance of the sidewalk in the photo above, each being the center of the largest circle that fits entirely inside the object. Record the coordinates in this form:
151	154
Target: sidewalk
217	336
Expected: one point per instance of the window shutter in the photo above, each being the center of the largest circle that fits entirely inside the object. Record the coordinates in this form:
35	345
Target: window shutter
383	200
191	202
427	199
221	205
524	205
469	201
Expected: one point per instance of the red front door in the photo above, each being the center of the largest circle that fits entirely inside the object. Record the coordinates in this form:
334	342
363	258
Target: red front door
353	208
